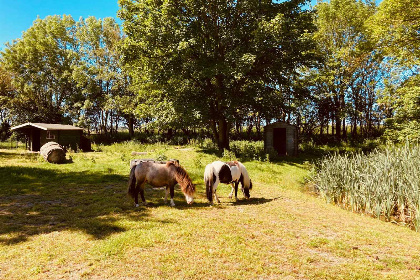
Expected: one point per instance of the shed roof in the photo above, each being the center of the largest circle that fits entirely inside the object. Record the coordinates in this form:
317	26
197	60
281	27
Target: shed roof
46	126
279	123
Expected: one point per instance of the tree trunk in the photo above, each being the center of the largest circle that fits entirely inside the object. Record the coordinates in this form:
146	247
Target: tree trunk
223	141
131	126
338	127
344	130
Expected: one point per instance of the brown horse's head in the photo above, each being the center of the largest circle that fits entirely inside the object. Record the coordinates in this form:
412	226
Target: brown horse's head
184	181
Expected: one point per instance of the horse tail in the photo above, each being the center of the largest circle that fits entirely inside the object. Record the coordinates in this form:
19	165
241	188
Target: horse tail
132	191
209	181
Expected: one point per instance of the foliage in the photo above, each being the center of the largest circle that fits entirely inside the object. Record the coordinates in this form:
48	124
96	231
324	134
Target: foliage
382	183
343	86
40	64
210	61
62	71
5	132
98	72
6	92
404	124
397	25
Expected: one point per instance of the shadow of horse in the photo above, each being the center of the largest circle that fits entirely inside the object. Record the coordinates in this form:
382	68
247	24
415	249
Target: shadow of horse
37	201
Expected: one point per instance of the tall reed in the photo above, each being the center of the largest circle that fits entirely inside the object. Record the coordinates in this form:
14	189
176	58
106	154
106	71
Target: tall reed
384	183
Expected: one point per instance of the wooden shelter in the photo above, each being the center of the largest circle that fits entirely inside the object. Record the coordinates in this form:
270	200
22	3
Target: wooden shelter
281	137
38	134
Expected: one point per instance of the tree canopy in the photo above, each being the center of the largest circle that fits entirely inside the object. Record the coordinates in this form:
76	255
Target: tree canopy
210	61
344	68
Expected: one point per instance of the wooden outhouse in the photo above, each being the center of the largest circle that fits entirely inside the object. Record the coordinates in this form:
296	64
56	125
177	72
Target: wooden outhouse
281	137
37	134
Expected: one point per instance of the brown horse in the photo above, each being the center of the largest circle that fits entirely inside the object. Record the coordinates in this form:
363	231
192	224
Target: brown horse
158	175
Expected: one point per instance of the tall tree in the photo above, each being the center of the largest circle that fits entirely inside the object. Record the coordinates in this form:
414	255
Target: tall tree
345	44
210	59
41	65
6	93
397	25
98	72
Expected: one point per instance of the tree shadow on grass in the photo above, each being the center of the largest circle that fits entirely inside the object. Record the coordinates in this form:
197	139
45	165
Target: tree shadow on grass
37	201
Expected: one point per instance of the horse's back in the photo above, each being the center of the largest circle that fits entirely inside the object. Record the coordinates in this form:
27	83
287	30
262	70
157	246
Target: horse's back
236	173
156	174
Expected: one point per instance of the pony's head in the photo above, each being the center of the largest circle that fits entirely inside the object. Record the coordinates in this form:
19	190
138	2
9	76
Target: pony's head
246	192
184	181
247	183
189	197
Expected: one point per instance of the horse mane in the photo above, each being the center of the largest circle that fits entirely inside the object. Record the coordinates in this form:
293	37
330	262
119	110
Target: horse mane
182	177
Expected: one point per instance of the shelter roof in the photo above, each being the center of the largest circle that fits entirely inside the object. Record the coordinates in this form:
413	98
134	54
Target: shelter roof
279	123
46	126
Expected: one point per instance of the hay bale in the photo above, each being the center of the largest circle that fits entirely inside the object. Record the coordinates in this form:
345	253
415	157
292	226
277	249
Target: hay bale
53	152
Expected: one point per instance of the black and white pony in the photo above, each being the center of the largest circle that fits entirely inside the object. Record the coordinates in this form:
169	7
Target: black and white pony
232	172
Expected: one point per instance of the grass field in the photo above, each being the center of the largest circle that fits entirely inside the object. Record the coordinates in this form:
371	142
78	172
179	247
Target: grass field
75	221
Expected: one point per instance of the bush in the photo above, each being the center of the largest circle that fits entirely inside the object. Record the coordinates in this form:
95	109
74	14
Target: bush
248	149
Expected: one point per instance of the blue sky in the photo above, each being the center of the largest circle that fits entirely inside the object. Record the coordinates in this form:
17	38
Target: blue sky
18	15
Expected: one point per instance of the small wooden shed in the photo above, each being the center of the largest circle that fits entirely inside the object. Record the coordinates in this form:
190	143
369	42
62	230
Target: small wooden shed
281	137
40	133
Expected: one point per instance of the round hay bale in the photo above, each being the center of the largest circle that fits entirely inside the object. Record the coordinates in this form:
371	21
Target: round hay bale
53	152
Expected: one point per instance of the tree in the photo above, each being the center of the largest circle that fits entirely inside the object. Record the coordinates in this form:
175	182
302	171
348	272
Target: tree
396	25
405	123
207	59
98	73
6	93
41	66
348	52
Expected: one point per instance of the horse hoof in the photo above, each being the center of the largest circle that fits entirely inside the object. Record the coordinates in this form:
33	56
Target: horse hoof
137	205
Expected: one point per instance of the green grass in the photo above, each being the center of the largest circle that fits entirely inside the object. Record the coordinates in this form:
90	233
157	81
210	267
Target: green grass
75	221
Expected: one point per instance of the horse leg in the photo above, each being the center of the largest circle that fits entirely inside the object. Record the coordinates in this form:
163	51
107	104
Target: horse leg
214	192
136	194
231	193
166	194
172	190
236	190
142	193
